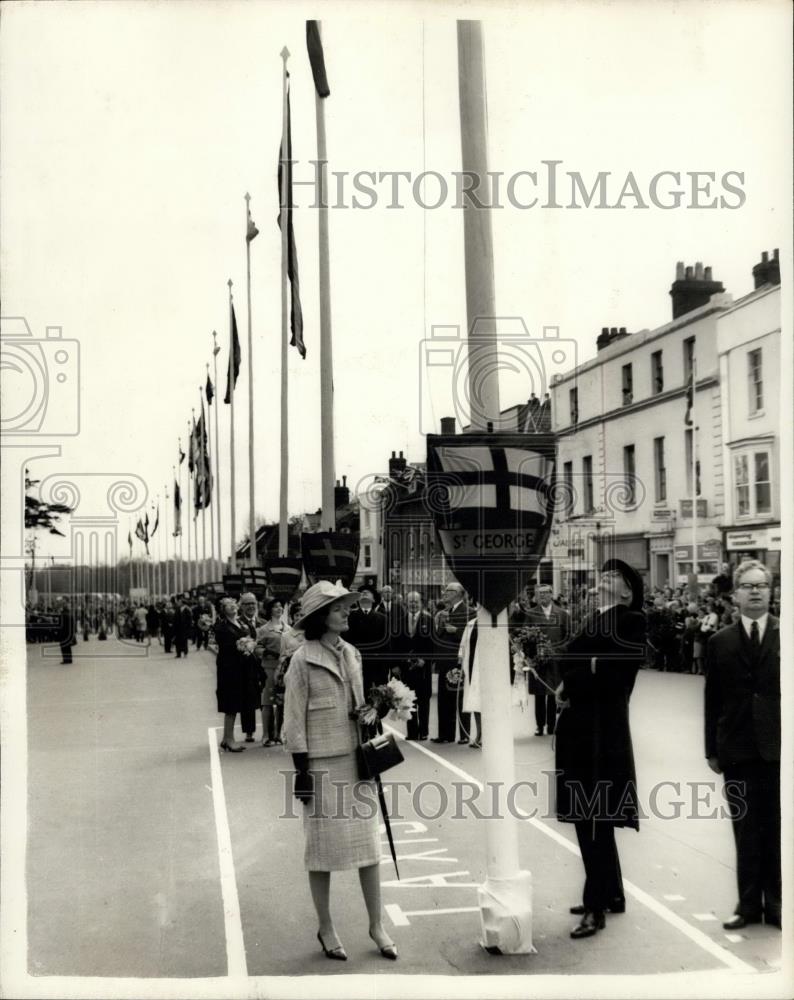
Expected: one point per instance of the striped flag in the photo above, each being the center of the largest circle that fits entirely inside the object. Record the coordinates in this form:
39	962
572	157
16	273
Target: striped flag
203	491
286	203
314	45
234	360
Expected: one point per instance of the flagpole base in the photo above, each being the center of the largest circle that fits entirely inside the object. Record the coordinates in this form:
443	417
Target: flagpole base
506	915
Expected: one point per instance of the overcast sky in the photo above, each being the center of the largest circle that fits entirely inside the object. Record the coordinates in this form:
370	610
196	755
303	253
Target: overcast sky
132	131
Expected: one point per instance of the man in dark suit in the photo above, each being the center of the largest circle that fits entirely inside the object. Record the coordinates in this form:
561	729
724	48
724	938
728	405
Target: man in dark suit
449	631
742	723
66	633
596	782
556	626
367	631
416	654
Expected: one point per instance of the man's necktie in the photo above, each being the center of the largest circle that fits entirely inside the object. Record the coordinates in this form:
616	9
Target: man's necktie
755	638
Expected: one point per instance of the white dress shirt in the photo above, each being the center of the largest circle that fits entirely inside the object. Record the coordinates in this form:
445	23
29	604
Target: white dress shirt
748	624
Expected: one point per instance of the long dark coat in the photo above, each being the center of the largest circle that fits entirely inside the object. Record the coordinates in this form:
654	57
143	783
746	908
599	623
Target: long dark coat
594	753
237	674
558	629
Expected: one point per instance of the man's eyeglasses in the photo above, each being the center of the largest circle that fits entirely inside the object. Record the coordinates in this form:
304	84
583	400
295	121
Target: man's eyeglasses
753	586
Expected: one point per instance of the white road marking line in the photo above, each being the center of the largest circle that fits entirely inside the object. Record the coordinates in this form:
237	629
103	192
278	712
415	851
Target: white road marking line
399	917
693	933
733	938
672	898
421	840
704	917
233	924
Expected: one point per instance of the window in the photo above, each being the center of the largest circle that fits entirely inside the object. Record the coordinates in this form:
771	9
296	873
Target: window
629	474
659	470
742	480
688	461
570	499
627	380
573	399
587	470
657	373
754	374
763	488
365	519
367	556
689	359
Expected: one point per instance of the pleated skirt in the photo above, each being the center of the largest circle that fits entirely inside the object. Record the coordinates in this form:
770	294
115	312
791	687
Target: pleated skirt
341	826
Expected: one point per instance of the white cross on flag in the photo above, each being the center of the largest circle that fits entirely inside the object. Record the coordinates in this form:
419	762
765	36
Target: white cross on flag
492	497
330	555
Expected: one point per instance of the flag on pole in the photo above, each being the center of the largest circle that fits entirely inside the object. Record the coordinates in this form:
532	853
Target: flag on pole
129	542
191	448
317	58
234	357
285	201
142	533
181	453
690	397
203	491
251	231
156	522
210	390
177	510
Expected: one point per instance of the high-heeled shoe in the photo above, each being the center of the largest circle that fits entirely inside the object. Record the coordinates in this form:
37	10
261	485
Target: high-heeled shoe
225	746
387	950
337	953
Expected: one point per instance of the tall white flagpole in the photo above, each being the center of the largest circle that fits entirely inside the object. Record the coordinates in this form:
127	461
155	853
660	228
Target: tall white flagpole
251	498
694	589
158	569
178	572
233	562
167	561
328	467
215	351
284	199
189	509
505	898
213	565
194	511
204	435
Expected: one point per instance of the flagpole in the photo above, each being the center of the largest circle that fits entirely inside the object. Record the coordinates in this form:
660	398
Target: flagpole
215	352
326	355
189	510
167	567
251	510
194	509
505	898
694	589
233	562
212	489
204	576
158	569
284	199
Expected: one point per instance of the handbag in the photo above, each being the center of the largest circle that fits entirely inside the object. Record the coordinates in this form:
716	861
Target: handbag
377	755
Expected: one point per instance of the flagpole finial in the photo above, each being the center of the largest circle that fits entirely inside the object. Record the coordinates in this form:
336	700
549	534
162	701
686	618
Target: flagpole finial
284	54
247	198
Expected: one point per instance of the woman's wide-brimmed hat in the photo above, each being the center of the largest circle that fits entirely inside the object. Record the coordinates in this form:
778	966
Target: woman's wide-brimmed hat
321	594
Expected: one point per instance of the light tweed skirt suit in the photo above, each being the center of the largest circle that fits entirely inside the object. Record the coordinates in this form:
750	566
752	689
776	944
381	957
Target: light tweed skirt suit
323	686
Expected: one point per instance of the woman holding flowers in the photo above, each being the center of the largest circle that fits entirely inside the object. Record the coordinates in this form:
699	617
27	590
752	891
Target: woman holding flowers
324	692
233	664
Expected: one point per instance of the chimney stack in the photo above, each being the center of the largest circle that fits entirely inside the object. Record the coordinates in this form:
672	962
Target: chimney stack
694	289
396	466
609	335
767	272
341	494
447	425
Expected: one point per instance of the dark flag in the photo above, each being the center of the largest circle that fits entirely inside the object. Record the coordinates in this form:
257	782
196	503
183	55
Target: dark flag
494	500
285	201
181	453
177	510
251	232
210	390
191	449
156	523
283	575
140	532
330	555
317	58
203	491
129	541
234	360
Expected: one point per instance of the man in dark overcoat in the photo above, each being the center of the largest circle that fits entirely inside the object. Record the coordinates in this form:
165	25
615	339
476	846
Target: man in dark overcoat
416	648
66	633
448	635
368	632
742	729
555	623
596	781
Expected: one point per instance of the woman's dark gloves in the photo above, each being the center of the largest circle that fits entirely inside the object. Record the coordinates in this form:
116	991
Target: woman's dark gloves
303	788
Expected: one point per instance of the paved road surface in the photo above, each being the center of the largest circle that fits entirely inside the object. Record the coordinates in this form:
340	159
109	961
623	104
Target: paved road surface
151	856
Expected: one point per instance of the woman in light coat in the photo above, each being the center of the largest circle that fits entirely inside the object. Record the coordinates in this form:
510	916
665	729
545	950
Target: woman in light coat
469	661
323	689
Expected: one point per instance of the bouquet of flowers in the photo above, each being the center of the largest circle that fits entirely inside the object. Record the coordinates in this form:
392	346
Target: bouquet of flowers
394	697
453	678
532	646
246	645
204	623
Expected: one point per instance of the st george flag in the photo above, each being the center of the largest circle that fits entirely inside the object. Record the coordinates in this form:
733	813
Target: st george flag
317	58
177	510
286	206
234	360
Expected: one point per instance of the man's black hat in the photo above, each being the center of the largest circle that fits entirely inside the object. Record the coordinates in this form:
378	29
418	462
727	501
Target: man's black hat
632	578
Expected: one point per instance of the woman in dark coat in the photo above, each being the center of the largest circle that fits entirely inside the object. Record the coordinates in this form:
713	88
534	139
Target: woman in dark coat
236	667
596	780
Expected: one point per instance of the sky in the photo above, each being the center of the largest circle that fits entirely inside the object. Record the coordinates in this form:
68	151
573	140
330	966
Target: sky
131	133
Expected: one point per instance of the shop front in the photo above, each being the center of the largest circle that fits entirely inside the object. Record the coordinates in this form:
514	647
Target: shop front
762	543
708	561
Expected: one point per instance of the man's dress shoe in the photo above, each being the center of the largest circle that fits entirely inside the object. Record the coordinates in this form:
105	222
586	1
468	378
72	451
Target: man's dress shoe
618	905
589	925
738	921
